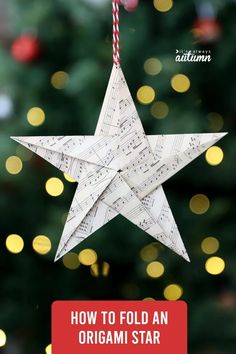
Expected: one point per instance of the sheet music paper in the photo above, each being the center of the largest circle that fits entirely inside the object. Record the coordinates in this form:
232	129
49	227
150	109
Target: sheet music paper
120	170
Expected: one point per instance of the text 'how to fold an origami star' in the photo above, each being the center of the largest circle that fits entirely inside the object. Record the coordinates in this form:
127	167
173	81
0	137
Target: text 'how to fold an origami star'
120	170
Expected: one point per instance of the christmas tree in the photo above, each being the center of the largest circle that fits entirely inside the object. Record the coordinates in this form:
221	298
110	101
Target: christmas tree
56	59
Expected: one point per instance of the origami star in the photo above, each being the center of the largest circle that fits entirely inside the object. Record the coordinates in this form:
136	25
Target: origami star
120	170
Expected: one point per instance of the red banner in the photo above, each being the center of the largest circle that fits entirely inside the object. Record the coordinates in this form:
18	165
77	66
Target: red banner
115	327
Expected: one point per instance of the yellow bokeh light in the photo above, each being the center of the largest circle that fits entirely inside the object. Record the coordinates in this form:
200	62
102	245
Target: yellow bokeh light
69	178
216	121
54	186
36	116
180	83
13	165
215	265
214	155
163	5
159	110
14	243
146	94
149	299
23	153
149	253
210	245
3	338
48	349
199	204
152	66
71	261
59	80
105	269
94	270
173	292
41	244
155	269
88	257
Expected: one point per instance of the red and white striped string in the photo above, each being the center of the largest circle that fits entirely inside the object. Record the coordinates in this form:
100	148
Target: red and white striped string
116	32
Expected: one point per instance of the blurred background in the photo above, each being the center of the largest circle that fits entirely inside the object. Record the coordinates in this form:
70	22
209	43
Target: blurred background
55	62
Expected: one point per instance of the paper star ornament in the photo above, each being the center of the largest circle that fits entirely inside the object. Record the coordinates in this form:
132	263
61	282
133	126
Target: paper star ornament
120	170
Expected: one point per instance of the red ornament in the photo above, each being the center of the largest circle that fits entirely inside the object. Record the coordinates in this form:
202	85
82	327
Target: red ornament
129	5
25	48
206	30
227	300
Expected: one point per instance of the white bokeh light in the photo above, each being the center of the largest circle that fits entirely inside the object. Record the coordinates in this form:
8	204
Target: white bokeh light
6	106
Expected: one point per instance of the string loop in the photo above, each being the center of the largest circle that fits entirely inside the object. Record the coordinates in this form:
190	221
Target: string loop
116	32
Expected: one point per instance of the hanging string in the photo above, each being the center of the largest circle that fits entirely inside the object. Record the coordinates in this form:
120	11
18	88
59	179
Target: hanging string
116	32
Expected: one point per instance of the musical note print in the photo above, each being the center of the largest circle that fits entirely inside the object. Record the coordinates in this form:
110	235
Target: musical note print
120	170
